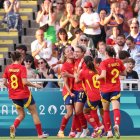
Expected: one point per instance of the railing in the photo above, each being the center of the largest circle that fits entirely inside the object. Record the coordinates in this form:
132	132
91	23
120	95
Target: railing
126	84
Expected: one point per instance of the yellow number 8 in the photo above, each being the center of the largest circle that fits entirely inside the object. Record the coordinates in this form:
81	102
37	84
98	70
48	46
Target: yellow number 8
14	81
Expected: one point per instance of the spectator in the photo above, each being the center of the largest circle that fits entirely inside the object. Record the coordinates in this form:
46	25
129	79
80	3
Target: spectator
102	15
23	50
41	48
69	21
134	31
134	51
124	55
114	19
120	44
127	13
137	9
13	20
78	32
28	62
62	42
101	50
45	72
90	23
131	74
59	10
46	17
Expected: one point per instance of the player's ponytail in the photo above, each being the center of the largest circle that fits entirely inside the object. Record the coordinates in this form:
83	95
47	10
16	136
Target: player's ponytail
16	56
110	51
89	63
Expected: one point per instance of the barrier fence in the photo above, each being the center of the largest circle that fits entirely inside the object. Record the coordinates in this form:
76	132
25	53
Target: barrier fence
51	109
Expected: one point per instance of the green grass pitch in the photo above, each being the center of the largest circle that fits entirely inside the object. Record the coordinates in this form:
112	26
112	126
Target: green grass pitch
55	138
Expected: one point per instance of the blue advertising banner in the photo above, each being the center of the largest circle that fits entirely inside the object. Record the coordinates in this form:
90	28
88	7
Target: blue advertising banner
51	109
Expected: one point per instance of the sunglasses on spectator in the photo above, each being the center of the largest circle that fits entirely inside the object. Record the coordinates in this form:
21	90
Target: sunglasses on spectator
40	62
28	61
84	40
134	27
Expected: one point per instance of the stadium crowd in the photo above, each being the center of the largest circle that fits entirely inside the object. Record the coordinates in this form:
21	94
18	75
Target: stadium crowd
90	41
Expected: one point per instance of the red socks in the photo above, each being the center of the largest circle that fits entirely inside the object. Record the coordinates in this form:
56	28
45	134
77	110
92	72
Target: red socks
107	121
63	123
117	116
82	120
76	126
91	120
16	123
38	129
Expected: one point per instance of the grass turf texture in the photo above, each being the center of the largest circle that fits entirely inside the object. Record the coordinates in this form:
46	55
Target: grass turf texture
55	138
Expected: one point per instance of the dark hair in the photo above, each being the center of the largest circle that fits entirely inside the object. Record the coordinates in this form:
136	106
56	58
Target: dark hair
130	38
97	60
130	60
47	65
23	47
16	56
103	10
121	35
110	51
62	30
30	57
123	55
82	48
89	63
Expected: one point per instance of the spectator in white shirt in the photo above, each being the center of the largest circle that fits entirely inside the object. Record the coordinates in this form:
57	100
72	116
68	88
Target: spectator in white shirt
41	48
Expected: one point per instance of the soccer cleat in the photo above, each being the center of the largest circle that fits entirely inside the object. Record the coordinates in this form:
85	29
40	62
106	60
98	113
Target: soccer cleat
85	133
116	131
96	133
60	134
43	136
78	134
72	134
12	131
109	135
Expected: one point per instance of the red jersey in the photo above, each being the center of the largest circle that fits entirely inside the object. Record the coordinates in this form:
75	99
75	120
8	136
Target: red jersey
14	74
113	67
68	67
78	86
91	84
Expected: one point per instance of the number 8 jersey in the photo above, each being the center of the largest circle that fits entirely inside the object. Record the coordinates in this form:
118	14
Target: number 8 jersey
14	74
113	68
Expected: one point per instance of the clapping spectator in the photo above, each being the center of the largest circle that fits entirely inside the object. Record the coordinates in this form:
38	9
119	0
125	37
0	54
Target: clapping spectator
41	48
13	19
69	21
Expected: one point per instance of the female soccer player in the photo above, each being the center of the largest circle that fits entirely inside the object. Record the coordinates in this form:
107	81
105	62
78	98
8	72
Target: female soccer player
15	79
68	66
111	68
88	77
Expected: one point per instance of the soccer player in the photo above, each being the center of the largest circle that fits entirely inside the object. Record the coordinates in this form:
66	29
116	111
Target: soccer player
15	79
68	96
88	76
111	68
78	90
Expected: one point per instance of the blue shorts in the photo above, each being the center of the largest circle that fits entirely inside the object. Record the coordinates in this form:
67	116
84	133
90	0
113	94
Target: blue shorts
24	102
80	96
108	97
68	100
93	105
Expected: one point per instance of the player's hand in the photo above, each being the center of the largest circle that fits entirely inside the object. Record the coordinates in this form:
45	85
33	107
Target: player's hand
64	74
38	86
